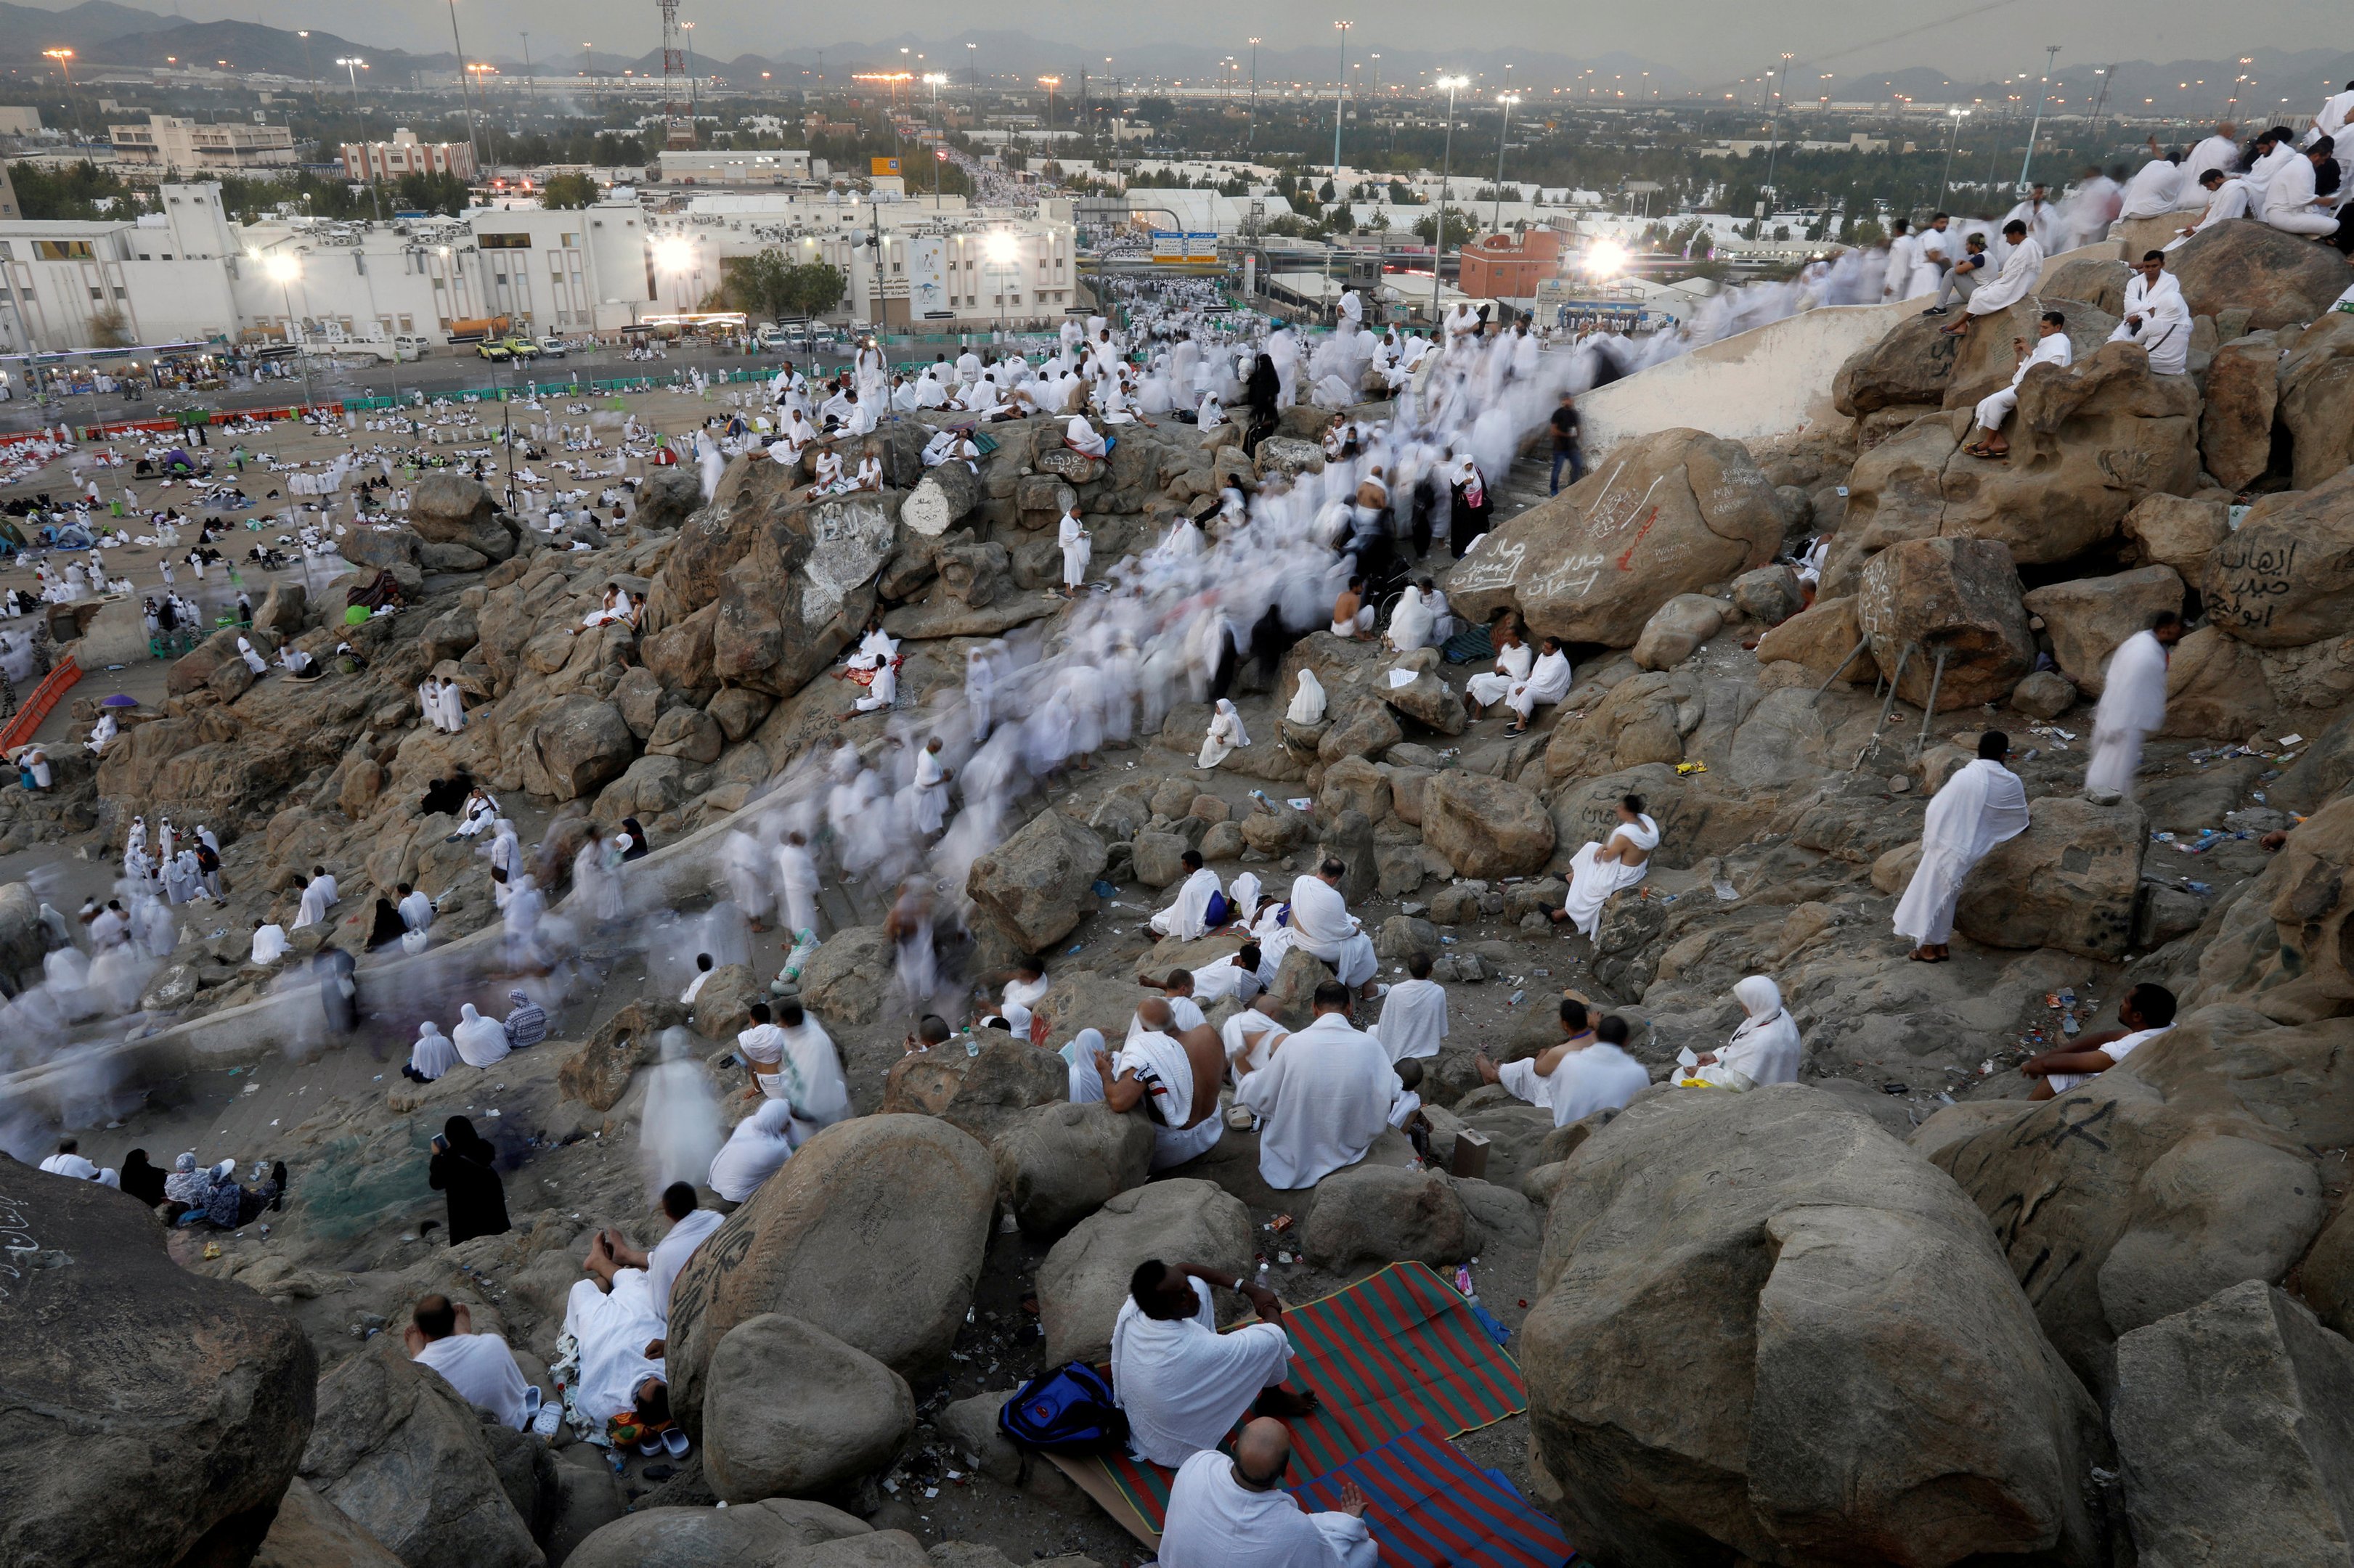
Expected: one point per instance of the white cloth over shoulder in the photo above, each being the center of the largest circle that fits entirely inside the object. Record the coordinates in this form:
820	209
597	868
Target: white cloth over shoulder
1982	805
1413	1019
2116	1051
1184	1384
1216	1521
1308	701
2133	695
614	1330
1765	1048
760	1143
480	1041
1320	919
1593	879
670	1253
1188	916
1321	1102
1594	1077
484	1371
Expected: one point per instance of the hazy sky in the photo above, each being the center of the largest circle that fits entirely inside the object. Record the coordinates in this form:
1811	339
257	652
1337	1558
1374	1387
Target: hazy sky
1708	38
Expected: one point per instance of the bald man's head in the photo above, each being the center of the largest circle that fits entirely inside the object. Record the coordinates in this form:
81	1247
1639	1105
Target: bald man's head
1154	1012
1263	1453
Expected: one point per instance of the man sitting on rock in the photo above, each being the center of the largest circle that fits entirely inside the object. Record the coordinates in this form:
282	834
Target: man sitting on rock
479	1366
1234	1514
1181	1382
2227	199
1322	1098
2156	316
1199	898
1548	682
1084	439
1413	1014
1321	918
2146	1013
690	1227
2051	348
1174	1072
1235	975
2021	269
611	1317
1586	1072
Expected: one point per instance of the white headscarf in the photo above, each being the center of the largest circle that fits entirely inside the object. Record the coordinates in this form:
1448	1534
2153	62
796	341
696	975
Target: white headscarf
753	1152
432	1056
1308	703
478	1041
1766	1047
1227	710
1084	1051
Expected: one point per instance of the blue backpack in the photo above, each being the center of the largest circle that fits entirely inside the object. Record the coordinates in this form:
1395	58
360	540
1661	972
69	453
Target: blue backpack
1069	1408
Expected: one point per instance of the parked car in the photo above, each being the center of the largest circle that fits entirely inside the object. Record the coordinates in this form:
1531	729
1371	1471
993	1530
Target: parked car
507	348
553	347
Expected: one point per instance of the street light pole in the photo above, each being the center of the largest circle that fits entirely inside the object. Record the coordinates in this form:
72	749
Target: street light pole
284	269
1340	97
1774	125
1445	192
1953	118
2051	51
465	98
1507	99
1251	137
351	64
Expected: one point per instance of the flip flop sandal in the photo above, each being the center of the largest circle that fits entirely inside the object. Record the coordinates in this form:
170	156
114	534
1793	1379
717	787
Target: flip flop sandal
675	1441
651	1446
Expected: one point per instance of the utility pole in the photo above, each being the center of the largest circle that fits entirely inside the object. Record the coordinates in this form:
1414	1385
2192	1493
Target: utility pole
2051	51
1340	97
1251	137
1446	192
530	83
1774	126
1507	99
473	143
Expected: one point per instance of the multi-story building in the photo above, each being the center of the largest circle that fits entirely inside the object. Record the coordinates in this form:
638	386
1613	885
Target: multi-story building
183	146
405	154
1510	266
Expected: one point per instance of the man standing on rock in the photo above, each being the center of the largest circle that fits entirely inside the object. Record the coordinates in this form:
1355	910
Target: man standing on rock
1322	1097
1983	804
1319	914
1174	1076
2133	703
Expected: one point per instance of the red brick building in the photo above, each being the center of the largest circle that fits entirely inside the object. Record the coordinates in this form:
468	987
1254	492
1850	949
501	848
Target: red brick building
1510	266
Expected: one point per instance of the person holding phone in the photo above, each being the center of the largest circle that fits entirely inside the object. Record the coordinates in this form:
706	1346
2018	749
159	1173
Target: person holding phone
464	1170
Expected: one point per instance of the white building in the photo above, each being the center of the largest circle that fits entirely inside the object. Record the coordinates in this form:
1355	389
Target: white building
745	168
405	154
183	146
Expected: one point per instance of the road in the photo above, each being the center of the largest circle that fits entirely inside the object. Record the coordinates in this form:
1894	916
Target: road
443	371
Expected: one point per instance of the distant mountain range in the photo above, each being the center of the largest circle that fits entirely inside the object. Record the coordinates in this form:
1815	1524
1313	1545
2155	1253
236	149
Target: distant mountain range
105	32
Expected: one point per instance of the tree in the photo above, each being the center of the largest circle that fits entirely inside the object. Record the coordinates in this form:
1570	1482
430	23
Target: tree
1459	228
814	288
568	191
108	327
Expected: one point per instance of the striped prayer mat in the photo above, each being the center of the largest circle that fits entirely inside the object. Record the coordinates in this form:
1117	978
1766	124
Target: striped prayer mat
1428	1507
1395	1352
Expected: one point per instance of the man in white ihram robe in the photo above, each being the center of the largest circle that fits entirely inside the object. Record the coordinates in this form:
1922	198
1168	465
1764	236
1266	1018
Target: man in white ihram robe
1235	1513
796	882
1982	805
1181	1382
1322	1097
1413	1014
1592	879
1321	918
2133	703
1077	547
1548	682
2156	317
1187	916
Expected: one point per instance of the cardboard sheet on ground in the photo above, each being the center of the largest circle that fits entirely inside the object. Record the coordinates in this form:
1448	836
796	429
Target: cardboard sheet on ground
1393	1353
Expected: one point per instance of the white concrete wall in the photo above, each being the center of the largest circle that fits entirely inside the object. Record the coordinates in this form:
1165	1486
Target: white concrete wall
1771	380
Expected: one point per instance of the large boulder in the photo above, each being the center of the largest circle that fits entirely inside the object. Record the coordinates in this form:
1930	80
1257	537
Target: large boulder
2285	577
2070	881
1767	1331
576	746
843	979
874	1232
2179	531
2087	443
1387	1214
2286	946
1817	639
2235	428
2234	1424
167	1410
1676	629
775	1533
668	497
1917	365
794	1412
830	552
598	1073
2216	688
1956	596
2144	1191
1059	1164
1485	827
448	508
2089	617
24	940
310	1532
1671	513
1084	1278
2276	278
2317	397
986	1093
1039	883
399	1452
